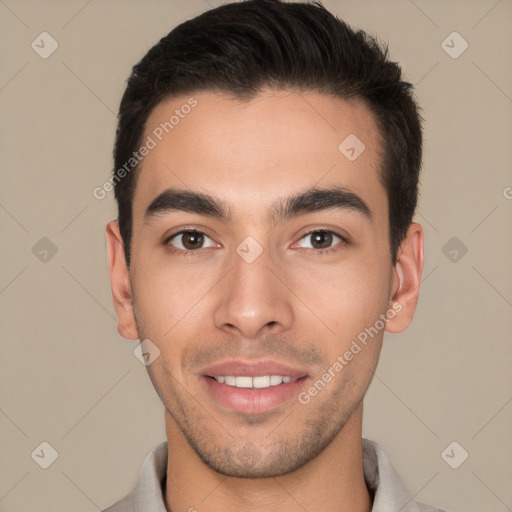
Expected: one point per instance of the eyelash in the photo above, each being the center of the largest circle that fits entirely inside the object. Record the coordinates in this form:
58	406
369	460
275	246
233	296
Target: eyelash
182	252
196	252
337	246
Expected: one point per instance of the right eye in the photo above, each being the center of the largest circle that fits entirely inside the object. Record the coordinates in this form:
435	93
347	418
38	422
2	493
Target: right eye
189	240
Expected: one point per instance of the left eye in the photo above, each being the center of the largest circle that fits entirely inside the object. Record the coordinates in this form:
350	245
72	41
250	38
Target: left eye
321	239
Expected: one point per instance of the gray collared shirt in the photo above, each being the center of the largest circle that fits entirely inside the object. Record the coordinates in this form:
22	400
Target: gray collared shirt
389	491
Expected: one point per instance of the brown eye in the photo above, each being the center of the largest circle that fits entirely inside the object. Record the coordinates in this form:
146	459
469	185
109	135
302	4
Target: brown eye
190	240
322	240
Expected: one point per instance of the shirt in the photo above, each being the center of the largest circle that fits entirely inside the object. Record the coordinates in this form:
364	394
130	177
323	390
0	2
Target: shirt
389	492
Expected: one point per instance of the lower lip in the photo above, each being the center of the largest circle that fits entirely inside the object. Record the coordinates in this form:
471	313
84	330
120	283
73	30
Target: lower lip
253	401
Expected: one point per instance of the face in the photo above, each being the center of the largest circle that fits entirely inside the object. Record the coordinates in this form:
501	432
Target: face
260	257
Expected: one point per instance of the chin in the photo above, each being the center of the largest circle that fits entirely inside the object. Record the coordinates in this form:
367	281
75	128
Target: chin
251	461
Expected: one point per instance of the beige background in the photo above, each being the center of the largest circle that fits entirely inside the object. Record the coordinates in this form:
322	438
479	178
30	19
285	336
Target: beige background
69	379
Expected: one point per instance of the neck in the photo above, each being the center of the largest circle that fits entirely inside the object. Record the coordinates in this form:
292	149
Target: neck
332	481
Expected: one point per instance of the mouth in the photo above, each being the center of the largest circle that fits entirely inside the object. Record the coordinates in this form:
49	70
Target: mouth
258	382
252	387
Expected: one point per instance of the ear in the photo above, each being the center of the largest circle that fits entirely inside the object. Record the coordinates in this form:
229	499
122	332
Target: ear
406	279
120	283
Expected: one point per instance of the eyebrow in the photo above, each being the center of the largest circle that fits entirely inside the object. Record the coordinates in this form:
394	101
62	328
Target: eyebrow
312	200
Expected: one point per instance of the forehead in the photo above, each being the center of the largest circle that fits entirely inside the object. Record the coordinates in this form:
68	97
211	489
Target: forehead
252	153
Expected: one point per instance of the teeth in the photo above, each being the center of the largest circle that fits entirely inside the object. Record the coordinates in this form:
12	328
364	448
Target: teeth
243	382
230	381
259	382
275	380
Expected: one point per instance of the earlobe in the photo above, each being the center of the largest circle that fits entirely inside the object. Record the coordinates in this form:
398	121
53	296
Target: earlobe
406	280
120	283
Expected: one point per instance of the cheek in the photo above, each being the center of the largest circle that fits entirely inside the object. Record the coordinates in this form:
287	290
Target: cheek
166	299
346	298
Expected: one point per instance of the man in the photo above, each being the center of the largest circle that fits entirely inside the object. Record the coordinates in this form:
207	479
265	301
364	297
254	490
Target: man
266	173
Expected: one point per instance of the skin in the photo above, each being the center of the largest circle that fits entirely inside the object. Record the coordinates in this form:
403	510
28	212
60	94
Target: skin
293	304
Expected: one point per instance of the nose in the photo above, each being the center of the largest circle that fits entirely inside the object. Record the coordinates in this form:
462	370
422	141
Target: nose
253	299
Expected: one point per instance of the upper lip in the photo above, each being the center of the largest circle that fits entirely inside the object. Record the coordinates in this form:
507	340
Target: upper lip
251	368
